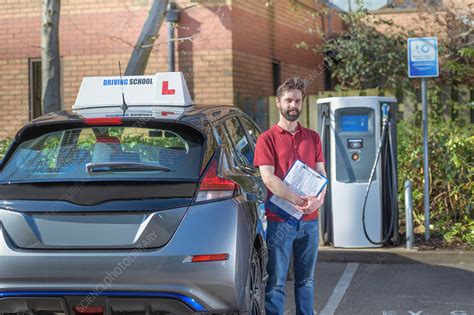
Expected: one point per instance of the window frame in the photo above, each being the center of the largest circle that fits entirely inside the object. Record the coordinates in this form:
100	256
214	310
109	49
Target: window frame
32	133
241	119
236	161
35	82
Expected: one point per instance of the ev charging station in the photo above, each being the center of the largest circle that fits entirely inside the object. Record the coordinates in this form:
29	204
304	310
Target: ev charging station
359	144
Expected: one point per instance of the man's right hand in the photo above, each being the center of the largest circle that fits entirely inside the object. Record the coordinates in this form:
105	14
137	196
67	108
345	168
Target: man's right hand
312	203
278	187
297	200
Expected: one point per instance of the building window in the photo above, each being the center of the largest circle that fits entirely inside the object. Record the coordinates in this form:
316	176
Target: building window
327	76
329	61
36	108
276	75
35	88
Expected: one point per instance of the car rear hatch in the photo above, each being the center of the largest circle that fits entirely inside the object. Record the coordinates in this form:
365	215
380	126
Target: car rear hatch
99	184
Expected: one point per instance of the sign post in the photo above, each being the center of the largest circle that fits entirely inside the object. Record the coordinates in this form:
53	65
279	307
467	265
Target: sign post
423	63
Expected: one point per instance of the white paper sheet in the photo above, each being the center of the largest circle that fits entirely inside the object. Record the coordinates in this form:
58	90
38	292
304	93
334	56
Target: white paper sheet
302	180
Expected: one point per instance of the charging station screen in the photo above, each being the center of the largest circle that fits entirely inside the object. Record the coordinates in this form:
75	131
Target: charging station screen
354	123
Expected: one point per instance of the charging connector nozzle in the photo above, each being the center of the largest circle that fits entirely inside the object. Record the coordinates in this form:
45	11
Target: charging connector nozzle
385	110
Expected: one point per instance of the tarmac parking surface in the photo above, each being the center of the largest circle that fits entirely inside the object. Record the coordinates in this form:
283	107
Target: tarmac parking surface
391	289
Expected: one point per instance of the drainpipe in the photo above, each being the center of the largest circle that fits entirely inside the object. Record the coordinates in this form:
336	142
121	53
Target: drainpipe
172	17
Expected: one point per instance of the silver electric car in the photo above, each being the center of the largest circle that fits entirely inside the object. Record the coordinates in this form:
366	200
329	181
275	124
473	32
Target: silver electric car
132	215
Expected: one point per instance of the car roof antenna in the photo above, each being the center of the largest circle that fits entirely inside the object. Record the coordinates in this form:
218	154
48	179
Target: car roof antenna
124	106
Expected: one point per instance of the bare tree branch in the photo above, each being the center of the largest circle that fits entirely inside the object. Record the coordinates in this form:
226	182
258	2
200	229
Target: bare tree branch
100	34
179	39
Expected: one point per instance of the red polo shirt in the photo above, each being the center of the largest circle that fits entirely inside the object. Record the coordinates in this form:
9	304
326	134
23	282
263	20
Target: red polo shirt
279	148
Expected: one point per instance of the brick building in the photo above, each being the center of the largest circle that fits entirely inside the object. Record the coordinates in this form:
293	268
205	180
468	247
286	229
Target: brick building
425	18
232	51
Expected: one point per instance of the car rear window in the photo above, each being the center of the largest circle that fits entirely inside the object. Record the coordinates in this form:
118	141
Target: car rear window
105	153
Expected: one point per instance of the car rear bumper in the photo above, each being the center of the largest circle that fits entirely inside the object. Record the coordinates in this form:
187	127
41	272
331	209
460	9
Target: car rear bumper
109	302
157	274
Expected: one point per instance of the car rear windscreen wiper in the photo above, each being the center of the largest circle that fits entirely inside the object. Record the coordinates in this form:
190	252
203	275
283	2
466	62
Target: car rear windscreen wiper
124	167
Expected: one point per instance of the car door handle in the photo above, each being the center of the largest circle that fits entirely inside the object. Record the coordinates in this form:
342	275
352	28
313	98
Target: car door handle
251	196
258	196
262	194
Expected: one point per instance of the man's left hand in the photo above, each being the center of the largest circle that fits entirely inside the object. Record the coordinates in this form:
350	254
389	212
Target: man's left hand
313	203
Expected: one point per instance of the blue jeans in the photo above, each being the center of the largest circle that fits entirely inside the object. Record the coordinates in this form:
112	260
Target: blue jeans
301	237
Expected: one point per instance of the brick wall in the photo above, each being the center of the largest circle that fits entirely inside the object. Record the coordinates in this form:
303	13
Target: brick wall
206	58
95	35
14	87
225	51
263	34
425	21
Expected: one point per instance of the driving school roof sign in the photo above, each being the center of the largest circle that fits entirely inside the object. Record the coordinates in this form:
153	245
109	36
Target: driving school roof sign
423	57
161	89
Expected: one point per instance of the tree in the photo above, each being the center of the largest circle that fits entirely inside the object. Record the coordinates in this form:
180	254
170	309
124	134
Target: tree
50	59
455	22
371	53
365	58
50	62
142	50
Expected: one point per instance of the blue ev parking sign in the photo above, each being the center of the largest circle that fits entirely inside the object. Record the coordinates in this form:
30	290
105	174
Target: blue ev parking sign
423	57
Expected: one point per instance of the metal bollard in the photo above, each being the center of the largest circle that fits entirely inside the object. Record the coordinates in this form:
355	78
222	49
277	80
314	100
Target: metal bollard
409	214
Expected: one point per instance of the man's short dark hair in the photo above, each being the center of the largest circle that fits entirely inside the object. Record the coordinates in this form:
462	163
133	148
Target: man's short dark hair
294	83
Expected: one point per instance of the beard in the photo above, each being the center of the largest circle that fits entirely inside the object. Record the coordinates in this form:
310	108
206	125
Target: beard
291	116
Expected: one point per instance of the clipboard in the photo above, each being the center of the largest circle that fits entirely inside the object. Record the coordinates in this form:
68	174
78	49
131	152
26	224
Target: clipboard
302	180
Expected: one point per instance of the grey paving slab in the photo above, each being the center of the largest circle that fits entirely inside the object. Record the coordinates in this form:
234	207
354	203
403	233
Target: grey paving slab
327	275
395	289
401	289
395	255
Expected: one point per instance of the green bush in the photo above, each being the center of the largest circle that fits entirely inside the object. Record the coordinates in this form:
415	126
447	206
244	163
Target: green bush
4	143
451	152
129	142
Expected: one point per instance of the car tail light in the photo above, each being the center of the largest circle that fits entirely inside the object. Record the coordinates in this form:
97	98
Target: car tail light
214	187
214	257
166	113
103	121
108	139
89	310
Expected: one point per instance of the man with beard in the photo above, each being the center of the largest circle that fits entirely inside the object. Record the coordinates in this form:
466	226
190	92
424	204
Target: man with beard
276	151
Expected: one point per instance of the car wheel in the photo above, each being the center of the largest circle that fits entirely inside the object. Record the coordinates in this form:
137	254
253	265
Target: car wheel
254	289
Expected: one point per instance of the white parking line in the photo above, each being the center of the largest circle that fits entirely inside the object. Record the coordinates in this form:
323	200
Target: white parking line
340	289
